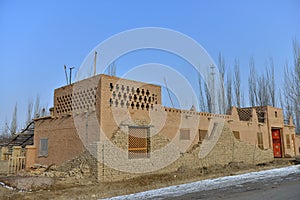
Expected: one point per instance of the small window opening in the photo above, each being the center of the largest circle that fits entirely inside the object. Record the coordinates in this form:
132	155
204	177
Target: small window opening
184	134
43	148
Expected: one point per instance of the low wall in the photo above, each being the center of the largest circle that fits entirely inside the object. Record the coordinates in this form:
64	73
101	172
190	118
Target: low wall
226	150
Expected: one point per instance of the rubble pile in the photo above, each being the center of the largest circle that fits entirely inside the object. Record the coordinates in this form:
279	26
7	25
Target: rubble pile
79	172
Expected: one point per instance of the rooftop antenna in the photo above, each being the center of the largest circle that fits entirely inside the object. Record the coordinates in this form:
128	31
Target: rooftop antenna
71	68
65	67
165	80
95	61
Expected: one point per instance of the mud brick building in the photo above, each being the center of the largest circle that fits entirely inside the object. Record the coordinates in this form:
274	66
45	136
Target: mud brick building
124	126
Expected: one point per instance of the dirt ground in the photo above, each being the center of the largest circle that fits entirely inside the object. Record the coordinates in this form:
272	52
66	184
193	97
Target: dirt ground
81	185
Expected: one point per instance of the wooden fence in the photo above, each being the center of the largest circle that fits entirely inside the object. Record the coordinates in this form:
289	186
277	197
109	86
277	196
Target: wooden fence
16	164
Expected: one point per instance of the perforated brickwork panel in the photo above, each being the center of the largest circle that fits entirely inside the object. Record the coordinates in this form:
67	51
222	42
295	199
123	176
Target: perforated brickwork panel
261	114
131	97
77	101
138	142
245	114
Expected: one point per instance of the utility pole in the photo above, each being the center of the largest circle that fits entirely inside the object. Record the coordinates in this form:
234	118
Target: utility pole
65	67
71	68
95	62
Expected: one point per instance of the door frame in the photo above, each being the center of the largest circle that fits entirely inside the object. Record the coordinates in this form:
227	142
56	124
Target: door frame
281	141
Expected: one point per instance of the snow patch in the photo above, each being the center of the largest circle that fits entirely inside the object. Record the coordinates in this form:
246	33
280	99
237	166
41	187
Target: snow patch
6	186
211	184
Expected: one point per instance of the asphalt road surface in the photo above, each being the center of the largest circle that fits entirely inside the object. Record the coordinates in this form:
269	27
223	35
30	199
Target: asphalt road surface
278	188
275	184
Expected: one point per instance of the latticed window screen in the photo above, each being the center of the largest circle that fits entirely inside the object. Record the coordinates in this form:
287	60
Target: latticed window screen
245	114
288	141
184	134
260	140
138	142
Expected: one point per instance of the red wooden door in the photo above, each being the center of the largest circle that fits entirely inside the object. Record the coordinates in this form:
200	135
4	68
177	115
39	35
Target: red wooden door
276	143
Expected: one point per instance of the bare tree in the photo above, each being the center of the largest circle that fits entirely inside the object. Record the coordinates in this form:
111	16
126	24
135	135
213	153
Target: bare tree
37	108
243	101
291	89
202	106
208	99
296	87
229	90
262	91
5	131
237	83
14	125
221	97
252	83
271	82
29	112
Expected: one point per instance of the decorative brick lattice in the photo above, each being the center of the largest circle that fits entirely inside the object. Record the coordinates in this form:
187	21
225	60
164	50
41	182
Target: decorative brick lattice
245	114
77	101
131	97
261	114
138	142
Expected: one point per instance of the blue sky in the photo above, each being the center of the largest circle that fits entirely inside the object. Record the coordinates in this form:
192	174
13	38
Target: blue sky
38	37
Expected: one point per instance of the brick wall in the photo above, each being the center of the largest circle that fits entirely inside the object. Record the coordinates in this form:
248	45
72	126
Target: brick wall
63	140
227	149
95	114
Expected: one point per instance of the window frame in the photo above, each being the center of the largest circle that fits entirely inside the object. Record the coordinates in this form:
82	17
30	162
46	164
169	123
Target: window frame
43	147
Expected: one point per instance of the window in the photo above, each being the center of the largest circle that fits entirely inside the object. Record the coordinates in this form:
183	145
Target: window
43	148
260	140
288	141
275	114
138	142
202	135
236	134
214	129
184	134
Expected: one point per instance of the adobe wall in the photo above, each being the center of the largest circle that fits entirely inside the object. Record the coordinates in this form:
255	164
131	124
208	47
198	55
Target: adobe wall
63	140
77	97
227	149
125	100
248	130
297	144
95	114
